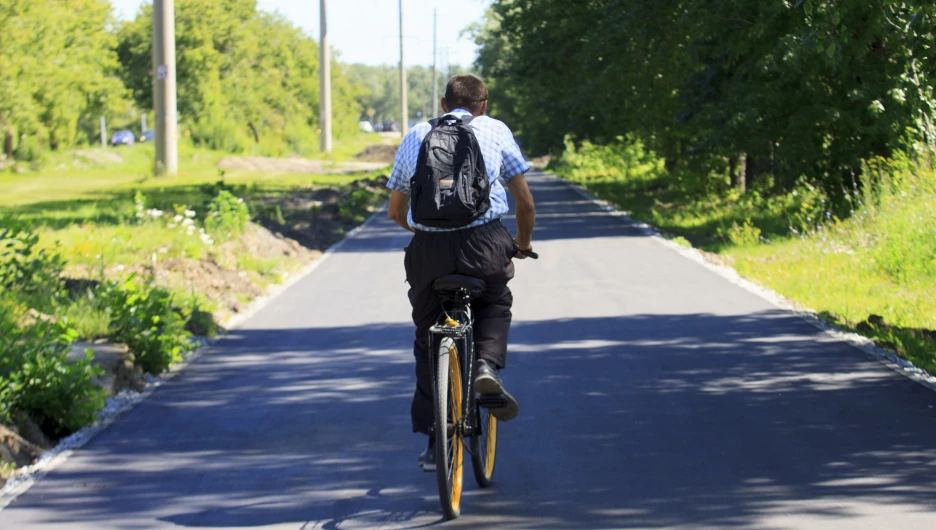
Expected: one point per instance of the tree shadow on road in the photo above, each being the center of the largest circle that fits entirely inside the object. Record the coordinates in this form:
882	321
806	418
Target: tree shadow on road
693	420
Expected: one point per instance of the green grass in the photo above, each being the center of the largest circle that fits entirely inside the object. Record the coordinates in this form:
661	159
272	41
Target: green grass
84	205
879	261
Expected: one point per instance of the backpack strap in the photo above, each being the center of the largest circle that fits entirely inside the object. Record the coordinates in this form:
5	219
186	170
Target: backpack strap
463	120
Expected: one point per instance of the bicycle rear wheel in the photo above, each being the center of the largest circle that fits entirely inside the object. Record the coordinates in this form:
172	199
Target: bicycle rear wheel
484	446
449	411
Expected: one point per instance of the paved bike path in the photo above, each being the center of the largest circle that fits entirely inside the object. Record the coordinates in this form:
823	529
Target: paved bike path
653	393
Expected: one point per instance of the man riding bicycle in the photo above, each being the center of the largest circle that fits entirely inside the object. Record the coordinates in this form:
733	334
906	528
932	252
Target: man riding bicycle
482	248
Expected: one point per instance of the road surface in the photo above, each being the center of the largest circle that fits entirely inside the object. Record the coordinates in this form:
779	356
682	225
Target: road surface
653	393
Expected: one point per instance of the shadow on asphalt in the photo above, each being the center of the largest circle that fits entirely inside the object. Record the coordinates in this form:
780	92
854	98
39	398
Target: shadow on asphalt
560	214
691	420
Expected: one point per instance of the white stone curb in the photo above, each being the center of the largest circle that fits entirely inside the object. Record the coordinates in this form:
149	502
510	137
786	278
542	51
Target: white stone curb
888	357
24	477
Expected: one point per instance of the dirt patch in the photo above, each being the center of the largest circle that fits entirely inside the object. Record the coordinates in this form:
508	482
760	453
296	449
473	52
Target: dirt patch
15	449
219	278
385	153
317	218
97	156
717	259
296	165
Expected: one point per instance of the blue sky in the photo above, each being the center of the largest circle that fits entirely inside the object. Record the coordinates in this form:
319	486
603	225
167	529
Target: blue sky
365	31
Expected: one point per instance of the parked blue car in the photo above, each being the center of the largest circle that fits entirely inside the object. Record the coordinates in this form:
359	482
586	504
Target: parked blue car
123	137
148	135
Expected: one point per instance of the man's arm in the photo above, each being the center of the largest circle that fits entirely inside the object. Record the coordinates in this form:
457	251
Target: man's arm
526	212
399	208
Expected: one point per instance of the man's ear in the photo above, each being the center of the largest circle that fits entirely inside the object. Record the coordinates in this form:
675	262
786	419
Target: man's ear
483	109
444	106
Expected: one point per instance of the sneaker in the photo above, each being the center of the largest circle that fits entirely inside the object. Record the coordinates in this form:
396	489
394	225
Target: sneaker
427	459
488	382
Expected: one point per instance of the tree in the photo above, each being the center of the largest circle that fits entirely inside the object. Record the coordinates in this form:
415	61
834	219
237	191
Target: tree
57	73
800	89
247	80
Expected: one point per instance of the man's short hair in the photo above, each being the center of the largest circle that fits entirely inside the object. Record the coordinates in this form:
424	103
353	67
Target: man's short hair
465	92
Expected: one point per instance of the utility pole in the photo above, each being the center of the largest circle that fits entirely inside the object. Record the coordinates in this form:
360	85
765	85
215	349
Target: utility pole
103	132
435	79
325	117
164	87
142	122
405	125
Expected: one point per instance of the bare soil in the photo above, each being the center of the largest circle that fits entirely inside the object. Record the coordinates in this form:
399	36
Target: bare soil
378	153
296	165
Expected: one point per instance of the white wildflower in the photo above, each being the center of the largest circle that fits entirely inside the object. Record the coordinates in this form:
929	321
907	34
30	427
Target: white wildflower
189	213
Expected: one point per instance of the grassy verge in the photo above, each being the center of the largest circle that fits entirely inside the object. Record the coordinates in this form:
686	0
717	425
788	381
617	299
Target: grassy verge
101	212
90	248
865	260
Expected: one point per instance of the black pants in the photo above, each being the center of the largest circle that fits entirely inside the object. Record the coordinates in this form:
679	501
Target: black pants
483	252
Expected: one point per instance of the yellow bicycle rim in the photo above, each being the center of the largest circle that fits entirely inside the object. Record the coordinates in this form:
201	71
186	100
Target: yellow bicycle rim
455	390
491	451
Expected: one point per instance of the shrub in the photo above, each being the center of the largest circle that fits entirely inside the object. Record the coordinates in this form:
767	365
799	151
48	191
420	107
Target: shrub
354	205
25	268
743	234
37	379
142	317
228	216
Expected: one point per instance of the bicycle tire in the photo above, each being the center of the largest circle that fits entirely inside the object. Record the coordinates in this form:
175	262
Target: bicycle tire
449	407
484	446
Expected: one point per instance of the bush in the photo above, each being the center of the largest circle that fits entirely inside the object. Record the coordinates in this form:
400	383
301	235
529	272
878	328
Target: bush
37	379
228	216
23	267
625	159
354	206
142	317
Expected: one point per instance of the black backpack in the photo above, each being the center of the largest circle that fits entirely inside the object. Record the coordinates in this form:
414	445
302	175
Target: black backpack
450	188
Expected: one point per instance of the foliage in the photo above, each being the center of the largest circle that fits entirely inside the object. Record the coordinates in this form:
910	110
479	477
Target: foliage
354	205
247	80
57	73
23	265
792	91
36	377
623	160
228	216
142	316
380	90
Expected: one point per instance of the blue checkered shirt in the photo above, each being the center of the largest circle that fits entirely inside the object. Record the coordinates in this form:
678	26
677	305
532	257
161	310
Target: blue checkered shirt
502	158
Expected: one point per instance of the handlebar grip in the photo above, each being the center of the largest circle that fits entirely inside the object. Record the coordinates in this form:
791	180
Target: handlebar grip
530	254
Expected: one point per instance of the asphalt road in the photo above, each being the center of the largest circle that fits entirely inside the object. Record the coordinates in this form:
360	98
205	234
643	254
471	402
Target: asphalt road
653	393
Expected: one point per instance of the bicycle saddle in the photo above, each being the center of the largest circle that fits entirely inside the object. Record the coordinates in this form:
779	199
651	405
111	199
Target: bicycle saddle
457	282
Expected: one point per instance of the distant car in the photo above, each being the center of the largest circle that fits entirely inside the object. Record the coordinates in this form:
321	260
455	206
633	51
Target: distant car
366	126
148	135
122	137
378	127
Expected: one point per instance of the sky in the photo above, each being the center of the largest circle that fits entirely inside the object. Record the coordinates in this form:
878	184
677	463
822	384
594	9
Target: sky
366	31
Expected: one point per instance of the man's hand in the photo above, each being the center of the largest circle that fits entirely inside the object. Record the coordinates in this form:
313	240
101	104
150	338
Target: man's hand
520	254
398	209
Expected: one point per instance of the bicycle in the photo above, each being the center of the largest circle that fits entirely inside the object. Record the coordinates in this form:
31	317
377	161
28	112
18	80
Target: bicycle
459	412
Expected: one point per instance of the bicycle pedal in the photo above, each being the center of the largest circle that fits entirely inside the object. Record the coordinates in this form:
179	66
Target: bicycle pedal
492	401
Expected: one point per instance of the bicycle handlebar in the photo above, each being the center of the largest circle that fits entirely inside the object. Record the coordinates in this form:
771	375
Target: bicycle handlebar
530	254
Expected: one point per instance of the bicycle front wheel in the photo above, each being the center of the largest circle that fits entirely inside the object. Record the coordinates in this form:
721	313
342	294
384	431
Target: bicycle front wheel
484	446
449	412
